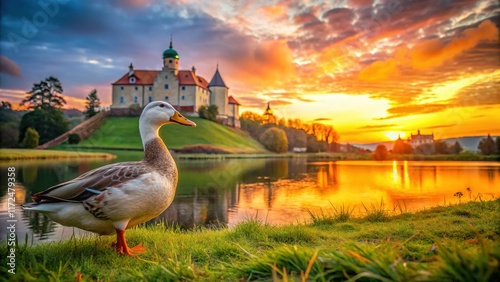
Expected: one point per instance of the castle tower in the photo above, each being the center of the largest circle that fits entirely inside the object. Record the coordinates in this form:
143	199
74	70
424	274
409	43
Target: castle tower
268	116
219	93
171	59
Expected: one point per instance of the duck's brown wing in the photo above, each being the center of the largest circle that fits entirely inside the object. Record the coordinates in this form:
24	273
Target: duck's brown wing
75	190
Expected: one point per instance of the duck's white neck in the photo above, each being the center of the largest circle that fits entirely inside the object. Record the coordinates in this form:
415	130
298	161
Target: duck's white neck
148	130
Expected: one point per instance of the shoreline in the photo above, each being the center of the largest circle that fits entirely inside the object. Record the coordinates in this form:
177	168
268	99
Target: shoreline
8	155
408	246
107	153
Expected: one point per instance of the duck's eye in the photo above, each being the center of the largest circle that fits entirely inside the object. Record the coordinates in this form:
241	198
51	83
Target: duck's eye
162	105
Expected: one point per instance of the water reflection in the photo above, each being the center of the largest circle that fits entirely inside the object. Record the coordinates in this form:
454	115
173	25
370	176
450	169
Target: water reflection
278	191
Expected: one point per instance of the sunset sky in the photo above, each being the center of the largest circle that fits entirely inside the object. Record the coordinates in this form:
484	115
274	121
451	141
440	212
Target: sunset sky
372	69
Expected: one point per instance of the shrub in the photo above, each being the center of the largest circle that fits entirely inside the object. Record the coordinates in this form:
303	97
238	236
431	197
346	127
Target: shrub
74	138
209	112
274	139
31	138
380	153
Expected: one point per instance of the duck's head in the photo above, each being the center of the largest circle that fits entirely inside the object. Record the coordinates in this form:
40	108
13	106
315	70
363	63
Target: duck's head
158	113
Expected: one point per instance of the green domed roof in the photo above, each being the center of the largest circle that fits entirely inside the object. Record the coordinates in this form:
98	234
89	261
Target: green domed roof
170	53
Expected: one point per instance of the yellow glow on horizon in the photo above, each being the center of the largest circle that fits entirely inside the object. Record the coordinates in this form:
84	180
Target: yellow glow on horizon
393	135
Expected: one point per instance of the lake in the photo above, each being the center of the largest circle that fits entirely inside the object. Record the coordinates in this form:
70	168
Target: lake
216	193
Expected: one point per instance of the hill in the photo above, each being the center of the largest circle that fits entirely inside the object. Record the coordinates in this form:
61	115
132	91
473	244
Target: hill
123	133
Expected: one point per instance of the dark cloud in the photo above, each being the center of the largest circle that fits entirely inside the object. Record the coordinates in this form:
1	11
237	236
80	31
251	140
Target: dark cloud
440	126
321	119
9	67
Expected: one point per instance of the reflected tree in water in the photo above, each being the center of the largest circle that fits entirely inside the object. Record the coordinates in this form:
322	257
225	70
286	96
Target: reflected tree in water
39	224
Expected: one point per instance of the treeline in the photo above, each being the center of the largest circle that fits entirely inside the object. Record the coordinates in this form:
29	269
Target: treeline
488	146
43	119
438	147
314	137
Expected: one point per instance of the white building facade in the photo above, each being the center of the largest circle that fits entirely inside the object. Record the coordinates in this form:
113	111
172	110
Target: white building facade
183	89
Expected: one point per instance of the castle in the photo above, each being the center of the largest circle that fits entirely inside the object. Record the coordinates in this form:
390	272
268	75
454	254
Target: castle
420	139
183	89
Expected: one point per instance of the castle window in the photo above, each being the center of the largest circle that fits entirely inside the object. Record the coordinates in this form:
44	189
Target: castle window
150	99
136	88
121	88
166	98
183	87
136	99
166	76
166	86
150	88
132	80
121	99
170	61
183	97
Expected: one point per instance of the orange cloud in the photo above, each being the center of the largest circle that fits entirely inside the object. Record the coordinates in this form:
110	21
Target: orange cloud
380	70
429	53
274	11
265	63
434	52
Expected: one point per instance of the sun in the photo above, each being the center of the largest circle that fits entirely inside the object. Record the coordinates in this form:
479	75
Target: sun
393	135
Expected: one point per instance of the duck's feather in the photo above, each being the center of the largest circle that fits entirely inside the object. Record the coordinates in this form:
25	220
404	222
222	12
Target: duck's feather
75	190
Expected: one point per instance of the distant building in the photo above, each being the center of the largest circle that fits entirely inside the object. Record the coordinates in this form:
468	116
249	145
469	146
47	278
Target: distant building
183	89
420	139
268	116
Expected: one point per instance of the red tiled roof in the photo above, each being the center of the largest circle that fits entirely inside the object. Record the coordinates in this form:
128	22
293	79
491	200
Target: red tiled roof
147	77
231	100
187	77
143	77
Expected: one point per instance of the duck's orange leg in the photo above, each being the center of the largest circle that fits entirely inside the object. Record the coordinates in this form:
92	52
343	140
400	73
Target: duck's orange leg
123	249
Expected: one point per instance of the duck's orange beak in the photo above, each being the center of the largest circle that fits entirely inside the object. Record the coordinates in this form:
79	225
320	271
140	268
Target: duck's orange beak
178	118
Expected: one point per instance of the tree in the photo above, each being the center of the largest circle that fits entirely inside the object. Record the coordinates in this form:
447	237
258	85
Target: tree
442	147
425	149
209	112
274	139
457	148
487	146
45	95
92	105
401	147
5	106
313	145
296	138
9	126
48	123
498	144
31	138
74	138
380	153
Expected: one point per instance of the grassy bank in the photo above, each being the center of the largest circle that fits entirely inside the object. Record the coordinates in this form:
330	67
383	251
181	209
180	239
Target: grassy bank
456	243
29	154
123	133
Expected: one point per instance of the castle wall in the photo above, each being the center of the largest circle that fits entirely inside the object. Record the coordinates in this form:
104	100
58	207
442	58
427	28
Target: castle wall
123	96
219	98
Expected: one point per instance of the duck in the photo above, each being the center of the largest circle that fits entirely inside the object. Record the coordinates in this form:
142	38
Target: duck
116	197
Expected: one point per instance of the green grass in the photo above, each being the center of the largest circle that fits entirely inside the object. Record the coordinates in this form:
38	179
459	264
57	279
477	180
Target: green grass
123	133
25	154
454	243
